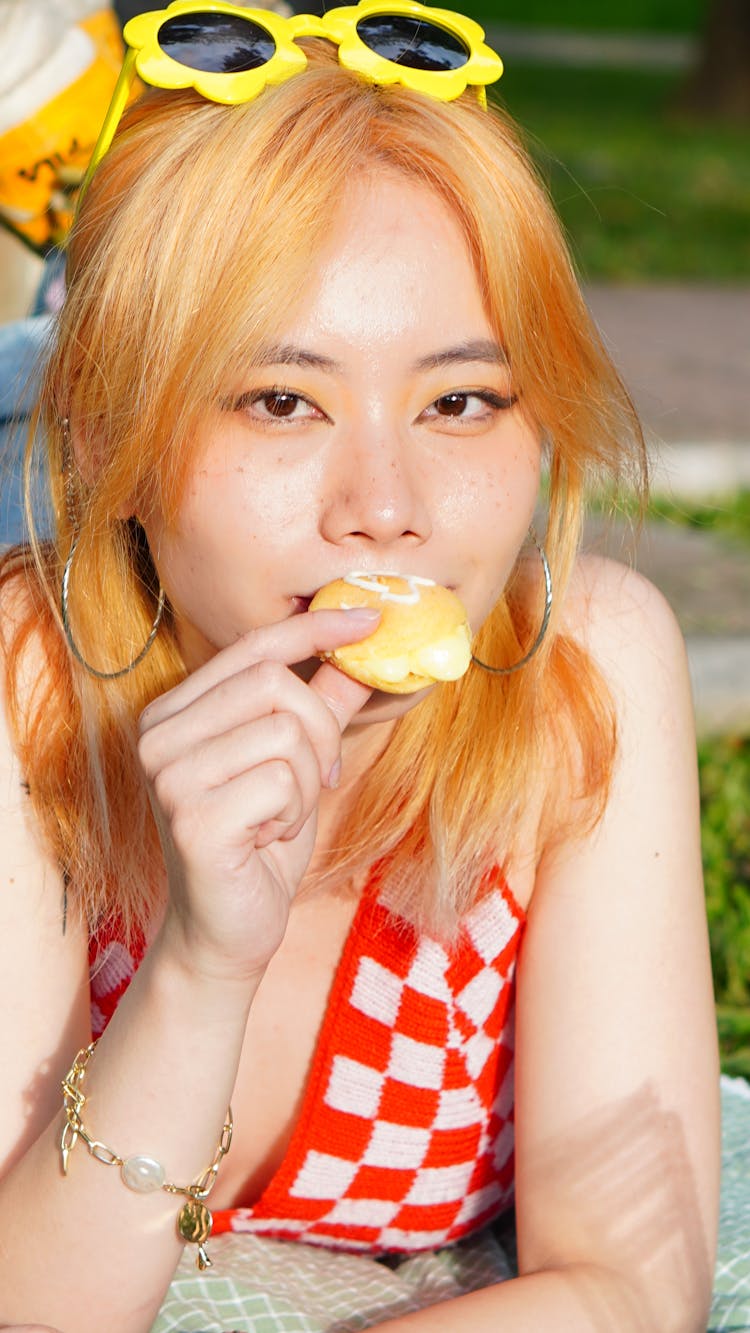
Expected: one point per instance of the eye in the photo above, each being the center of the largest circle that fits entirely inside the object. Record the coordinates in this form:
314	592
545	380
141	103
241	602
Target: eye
453	404
465	405
274	404
281	404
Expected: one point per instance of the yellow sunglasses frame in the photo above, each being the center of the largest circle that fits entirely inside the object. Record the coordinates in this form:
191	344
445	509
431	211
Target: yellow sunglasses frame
146	58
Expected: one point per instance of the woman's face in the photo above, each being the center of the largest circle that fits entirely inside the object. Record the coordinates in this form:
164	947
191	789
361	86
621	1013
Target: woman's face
379	433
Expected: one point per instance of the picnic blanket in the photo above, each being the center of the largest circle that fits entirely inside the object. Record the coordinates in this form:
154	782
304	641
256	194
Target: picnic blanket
265	1286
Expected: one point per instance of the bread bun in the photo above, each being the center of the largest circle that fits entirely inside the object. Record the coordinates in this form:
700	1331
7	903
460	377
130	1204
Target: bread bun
423	635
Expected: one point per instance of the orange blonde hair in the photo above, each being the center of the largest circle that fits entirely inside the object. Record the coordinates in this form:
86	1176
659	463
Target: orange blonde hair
196	233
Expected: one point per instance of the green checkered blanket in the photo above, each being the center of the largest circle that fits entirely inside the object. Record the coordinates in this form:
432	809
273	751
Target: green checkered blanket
266	1286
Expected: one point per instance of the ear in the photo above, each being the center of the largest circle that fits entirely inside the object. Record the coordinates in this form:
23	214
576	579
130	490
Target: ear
85	452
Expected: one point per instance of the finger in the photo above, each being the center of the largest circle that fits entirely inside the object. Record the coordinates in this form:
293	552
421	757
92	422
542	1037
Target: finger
217	832
342	695
289	641
217	761
262	690
274	831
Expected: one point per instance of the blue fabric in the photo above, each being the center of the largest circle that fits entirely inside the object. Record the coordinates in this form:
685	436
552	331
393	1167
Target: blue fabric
22	348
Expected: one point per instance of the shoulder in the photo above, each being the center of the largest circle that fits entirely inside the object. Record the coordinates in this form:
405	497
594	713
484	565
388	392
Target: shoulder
22	666
610	605
23	856
628	627
631	637
25	615
636	703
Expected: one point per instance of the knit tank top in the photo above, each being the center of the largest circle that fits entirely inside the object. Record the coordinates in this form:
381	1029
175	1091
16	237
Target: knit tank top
405	1137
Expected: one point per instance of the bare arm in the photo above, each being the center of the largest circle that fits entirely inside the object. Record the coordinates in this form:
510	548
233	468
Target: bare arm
617	1117
236	756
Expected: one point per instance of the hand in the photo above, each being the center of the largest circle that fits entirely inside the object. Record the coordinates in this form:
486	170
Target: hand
235	758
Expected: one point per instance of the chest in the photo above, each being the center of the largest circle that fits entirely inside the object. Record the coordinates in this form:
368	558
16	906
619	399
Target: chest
381	1054
282	1032
368	1045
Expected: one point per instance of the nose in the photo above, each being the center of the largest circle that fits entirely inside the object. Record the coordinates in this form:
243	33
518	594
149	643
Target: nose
376	492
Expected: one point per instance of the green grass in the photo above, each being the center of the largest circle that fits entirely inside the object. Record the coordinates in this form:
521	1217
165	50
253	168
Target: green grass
643	191
724	766
728	517
725	818
618	15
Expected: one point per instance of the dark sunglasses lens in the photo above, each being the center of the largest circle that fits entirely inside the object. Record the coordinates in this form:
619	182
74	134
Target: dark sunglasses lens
216	43
410	41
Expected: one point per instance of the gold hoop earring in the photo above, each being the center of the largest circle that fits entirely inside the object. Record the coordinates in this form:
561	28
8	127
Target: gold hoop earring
72	513
506	671
75	650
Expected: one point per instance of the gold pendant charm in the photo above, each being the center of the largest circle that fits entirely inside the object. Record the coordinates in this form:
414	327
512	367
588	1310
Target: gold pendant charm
194	1225
68	1141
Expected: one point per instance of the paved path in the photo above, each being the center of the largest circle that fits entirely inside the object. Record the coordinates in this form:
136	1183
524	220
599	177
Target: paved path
684	352
706	579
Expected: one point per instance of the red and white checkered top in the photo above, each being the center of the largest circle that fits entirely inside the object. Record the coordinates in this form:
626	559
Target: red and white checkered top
405	1137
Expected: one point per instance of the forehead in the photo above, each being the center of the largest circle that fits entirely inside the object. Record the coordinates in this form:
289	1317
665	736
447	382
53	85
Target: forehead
395	264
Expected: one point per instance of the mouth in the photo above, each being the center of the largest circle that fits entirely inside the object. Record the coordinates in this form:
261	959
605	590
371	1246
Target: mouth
300	603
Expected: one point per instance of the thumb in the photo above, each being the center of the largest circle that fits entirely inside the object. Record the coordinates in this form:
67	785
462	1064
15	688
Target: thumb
342	695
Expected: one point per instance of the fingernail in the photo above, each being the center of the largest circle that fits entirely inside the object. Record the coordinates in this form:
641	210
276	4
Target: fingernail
362	615
334	777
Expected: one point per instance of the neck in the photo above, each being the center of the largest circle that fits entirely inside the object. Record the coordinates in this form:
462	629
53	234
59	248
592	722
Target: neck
361	746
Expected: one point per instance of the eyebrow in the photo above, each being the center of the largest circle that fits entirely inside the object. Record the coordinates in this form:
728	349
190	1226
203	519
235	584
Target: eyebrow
285	354
481	349
478	349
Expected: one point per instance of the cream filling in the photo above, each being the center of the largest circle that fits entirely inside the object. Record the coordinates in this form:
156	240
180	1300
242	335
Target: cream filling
369	581
445	659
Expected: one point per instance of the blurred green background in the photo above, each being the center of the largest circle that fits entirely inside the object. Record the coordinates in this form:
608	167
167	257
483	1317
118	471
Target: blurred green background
646	188
594	15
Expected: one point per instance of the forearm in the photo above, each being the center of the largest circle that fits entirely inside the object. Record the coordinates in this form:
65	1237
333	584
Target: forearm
578	1299
158	1084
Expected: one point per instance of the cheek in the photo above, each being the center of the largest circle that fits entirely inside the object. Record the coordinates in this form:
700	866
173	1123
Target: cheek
224	561
197	556
497	493
495	508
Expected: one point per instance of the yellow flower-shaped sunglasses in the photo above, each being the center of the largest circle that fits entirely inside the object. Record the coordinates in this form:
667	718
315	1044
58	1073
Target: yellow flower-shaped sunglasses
229	53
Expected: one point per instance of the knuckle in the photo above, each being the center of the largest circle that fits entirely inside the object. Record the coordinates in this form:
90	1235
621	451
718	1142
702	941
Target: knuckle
288	730
283	779
144	720
165	789
267	676
183	825
146	751
145	716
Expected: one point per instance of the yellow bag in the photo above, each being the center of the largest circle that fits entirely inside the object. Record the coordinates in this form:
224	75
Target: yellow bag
45	145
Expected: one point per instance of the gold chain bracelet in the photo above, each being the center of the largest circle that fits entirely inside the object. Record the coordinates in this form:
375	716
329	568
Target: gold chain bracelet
139	1172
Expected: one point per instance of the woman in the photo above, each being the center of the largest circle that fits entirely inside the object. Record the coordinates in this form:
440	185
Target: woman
334	328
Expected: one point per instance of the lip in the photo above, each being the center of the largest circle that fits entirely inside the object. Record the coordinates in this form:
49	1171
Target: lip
301	601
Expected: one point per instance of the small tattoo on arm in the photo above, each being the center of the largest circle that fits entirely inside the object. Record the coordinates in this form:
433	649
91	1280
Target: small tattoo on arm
66	880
